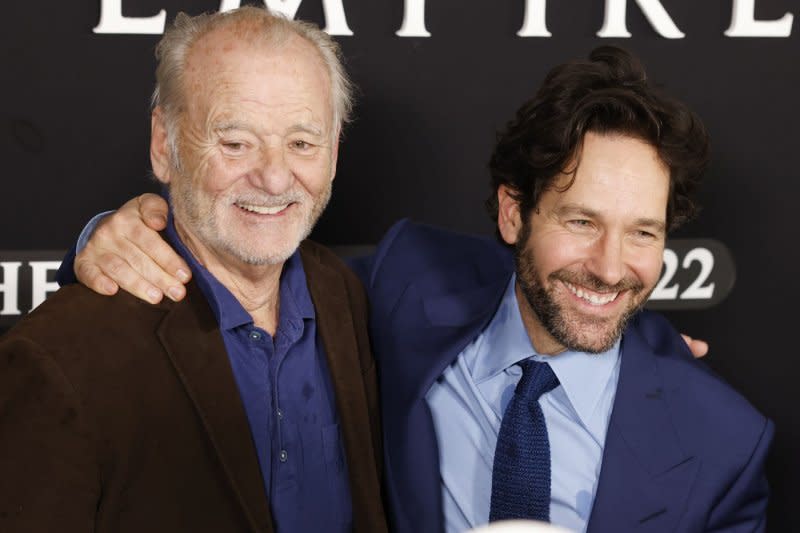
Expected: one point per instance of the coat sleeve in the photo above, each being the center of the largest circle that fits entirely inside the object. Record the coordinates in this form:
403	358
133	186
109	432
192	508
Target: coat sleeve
66	273
367	267
49	479
743	507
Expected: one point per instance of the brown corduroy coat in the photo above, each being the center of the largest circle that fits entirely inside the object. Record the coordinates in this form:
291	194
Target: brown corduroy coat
120	416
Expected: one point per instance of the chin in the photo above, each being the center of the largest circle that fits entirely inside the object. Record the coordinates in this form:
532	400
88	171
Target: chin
582	334
264	255
596	344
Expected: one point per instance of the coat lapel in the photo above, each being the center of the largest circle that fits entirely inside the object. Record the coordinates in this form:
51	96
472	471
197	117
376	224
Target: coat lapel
338	332
646	476
190	335
430	331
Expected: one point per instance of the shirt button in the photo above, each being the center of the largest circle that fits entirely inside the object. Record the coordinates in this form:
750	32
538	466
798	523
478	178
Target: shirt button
255	335
283	456
280	413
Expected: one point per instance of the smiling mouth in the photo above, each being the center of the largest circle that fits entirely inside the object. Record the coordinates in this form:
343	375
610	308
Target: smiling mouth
591	297
263	209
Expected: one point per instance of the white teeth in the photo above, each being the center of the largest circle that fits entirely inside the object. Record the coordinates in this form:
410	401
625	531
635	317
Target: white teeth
593	299
263	210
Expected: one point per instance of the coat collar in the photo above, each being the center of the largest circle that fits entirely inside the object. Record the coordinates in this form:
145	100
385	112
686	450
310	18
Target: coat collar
334	305
428	331
458	316
190	336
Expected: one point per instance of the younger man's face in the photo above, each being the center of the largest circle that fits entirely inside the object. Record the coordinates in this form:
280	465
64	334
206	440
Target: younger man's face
589	256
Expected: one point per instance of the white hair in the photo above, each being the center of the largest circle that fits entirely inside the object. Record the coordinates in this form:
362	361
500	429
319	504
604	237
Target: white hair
255	23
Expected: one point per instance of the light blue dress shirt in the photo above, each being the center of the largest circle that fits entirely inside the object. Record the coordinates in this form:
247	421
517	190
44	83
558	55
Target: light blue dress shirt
468	401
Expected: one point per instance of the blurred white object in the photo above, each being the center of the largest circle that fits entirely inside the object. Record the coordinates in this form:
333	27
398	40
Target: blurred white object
519	526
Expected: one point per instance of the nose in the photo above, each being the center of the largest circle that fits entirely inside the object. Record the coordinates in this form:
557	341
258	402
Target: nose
272	173
606	260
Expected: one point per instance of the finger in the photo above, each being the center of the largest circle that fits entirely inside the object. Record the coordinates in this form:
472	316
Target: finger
138	272
128	279
699	348
153	211
91	276
172	270
143	260
125	228
135	257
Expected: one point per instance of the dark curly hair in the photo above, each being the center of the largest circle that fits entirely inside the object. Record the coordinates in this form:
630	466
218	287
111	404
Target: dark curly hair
609	93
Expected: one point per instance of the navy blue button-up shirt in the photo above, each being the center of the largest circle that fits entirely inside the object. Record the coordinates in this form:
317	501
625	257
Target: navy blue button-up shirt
287	393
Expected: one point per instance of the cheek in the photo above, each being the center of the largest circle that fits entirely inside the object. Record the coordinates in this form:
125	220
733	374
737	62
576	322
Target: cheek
557	250
313	175
217	175
648	267
203	163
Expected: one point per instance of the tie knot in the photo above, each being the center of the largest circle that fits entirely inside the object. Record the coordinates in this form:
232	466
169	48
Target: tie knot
537	379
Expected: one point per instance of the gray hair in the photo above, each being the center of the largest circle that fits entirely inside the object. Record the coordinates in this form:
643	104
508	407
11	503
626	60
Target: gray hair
257	23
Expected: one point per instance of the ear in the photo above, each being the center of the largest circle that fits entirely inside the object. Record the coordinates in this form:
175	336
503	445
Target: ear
335	152
509	221
159	146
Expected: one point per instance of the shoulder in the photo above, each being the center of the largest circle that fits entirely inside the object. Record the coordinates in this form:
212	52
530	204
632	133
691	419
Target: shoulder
74	311
76	324
409	250
432	243
708	411
315	253
79	339
316	256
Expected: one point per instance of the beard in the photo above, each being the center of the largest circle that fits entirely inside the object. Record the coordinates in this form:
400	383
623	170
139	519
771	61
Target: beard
572	329
202	215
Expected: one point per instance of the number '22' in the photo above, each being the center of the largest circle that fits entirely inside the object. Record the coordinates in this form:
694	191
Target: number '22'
696	290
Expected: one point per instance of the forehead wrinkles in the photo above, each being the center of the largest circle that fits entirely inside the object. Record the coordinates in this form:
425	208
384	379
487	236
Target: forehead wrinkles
270	94
222	50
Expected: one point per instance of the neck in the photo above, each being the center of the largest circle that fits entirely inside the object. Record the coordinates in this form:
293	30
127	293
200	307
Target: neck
542	341
256	287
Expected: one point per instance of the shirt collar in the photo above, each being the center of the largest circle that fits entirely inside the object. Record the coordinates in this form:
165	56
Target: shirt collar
295	299
505	338
582	376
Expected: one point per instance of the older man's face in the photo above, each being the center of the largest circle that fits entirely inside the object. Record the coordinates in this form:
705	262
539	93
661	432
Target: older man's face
257	148
591	254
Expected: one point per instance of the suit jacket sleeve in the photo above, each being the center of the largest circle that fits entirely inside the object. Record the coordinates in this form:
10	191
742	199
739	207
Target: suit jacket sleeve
66	272
49	480
743	508
366	267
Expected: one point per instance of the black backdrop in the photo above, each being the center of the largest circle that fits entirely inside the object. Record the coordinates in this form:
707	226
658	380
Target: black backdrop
74	127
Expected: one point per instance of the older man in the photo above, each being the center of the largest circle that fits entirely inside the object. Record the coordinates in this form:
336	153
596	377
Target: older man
251	405
521	379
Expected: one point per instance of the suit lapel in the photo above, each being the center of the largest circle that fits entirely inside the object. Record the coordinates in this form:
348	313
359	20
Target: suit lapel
431	330
645	476
190	335
335	322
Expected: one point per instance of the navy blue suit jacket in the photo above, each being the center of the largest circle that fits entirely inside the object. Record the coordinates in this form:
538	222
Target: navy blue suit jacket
684	452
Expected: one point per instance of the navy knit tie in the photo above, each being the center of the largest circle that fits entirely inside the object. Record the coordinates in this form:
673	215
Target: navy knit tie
521	473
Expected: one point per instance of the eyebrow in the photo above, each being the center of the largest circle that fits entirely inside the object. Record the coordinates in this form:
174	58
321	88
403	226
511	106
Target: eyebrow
228	126
297	128
574	209
306	128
